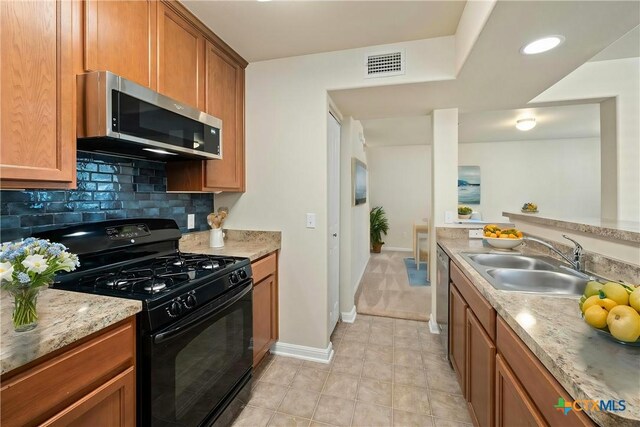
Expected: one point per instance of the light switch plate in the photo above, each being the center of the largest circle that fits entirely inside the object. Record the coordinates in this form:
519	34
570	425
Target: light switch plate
311	220
191	221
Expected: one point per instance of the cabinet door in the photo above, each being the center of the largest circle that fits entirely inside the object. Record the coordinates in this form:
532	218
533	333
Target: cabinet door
120	37
513	406
224	83
112	404
180	58
481	354
457	338
37	121
265	328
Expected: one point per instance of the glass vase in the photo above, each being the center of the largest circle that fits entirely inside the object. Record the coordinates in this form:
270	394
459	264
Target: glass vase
25	314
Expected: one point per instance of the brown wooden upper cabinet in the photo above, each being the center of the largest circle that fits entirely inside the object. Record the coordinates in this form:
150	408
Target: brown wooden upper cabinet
120	36
37	124
180	58
224	98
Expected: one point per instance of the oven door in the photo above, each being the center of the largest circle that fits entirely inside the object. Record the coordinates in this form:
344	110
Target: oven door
190	368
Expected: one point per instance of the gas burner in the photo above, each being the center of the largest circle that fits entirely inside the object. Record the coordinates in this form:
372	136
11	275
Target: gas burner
210	265
155	286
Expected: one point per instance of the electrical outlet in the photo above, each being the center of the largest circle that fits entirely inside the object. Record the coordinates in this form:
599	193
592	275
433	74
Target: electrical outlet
448	217
191	221
475	234
311	220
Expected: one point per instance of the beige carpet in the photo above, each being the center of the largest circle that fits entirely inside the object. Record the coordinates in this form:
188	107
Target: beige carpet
385	291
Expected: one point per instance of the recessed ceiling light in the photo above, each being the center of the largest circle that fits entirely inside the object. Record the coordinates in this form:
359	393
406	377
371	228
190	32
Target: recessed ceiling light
263	0
542	45
526	124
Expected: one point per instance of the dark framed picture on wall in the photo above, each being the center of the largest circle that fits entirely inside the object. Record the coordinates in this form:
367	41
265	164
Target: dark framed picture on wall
359	180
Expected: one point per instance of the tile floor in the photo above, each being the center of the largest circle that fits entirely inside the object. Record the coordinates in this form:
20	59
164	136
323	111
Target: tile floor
385	291
385	372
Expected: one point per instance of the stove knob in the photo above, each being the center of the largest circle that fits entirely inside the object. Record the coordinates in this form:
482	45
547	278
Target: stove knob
174	309
242	274
190	301
233	278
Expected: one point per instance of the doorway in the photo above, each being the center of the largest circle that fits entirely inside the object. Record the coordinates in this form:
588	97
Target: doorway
333	218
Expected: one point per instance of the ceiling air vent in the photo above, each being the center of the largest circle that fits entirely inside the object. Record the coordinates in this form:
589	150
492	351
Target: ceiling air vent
384	64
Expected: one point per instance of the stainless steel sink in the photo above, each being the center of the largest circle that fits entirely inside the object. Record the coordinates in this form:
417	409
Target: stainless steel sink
511	261
546	282
528	273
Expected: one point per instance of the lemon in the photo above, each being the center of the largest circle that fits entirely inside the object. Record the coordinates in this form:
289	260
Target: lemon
593	288
605	303
616	292
634	299
624	323
596	316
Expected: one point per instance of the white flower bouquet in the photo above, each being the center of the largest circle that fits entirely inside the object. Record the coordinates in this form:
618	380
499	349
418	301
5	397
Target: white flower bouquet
25	268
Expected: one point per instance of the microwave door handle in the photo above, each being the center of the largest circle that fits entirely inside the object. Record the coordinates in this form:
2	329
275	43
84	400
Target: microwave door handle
179	330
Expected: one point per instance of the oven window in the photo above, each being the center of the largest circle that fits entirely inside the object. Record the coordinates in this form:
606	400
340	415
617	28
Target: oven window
204	362
193	372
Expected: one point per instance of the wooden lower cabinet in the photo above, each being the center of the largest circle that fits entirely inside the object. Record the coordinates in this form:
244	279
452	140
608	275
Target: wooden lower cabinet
503	382
513	406
481	354
89	383
458	338
112	404
265	306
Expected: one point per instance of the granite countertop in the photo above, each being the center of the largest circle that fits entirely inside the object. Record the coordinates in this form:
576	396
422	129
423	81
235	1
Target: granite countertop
627	231
241	243
587	365
63	317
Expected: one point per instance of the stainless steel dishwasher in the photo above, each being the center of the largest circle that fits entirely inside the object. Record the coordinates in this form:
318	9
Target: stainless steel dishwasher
442	297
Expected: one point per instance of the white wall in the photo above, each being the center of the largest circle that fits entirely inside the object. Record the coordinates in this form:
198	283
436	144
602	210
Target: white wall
286	165
619	79
561	176
444	182
400	178
354	220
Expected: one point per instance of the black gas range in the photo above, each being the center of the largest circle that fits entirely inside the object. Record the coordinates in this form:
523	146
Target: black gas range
195	328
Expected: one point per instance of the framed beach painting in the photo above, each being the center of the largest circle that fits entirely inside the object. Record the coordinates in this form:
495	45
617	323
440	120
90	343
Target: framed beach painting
469	185
359	180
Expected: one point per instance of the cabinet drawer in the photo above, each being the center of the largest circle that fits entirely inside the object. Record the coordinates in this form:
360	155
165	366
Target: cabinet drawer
538	382
478	304
264	267
34	395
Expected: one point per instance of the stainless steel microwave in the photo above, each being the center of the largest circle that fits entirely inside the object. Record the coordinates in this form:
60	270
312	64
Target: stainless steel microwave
117	116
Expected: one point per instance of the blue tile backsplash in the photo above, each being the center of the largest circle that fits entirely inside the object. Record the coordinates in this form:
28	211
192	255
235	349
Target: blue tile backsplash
109	187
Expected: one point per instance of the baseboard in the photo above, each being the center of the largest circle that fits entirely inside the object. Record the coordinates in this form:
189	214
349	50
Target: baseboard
433	325
313	354
393	248
349	317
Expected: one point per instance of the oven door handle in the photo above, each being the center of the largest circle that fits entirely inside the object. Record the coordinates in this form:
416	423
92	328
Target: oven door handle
178	330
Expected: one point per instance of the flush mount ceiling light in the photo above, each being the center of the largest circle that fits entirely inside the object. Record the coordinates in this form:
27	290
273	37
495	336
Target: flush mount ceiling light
526	124
542	45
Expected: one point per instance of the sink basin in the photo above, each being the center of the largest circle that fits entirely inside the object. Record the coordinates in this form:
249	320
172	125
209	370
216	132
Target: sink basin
511	261
527	273
545	282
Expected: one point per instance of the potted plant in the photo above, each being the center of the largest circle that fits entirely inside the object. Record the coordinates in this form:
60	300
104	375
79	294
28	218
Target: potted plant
464	212
378	226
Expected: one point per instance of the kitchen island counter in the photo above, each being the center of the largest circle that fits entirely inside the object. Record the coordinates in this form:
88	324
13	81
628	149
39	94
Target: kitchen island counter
587	365
64	317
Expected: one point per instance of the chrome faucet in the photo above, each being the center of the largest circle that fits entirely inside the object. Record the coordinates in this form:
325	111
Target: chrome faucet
576	263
